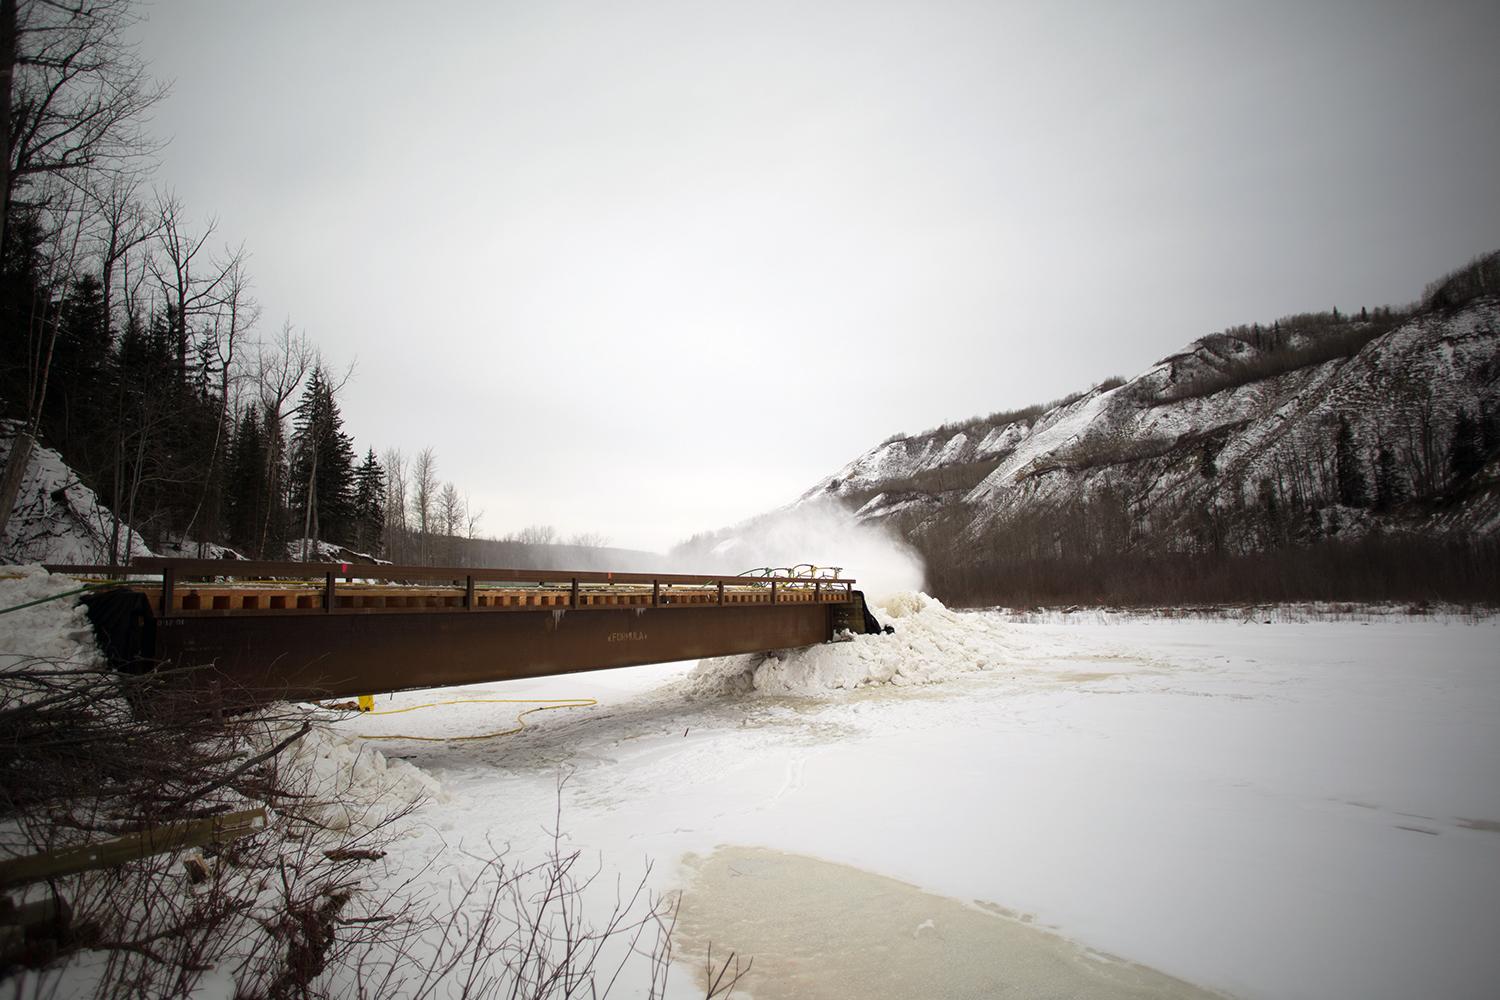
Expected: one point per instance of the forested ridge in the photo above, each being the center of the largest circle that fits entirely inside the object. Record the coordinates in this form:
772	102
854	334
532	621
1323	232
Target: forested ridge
133	343
1331	455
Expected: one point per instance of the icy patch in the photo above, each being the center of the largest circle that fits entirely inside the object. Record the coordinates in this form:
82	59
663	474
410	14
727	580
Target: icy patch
930	643
350	786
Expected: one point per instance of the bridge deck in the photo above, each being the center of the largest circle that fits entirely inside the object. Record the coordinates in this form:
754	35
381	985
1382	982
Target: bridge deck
300	630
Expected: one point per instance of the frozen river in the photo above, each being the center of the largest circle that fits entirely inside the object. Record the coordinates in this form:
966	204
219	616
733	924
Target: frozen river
1132	804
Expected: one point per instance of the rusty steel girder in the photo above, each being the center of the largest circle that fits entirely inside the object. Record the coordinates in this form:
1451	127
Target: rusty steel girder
304	657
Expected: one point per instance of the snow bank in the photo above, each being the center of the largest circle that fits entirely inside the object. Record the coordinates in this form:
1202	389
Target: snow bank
57	519
350	786
57	631
930	643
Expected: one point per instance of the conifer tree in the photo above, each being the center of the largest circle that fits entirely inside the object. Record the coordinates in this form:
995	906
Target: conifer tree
1350	478
246	485
369	505
322	474
1390	489
1464	456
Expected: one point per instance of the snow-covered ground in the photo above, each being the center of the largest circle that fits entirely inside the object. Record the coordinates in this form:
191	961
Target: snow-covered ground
1297	809
1308	808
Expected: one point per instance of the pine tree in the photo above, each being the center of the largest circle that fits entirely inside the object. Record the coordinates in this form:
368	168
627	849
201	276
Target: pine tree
1390	489
1464	456
245	485
369	505
1353	491
322	470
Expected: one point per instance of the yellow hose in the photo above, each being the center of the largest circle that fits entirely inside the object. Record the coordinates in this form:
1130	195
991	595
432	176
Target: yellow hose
542	705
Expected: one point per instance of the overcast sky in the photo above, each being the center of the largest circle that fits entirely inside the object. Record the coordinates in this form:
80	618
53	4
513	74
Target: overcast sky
649	268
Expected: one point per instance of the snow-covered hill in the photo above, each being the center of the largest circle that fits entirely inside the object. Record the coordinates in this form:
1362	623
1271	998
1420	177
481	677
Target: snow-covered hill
1245	420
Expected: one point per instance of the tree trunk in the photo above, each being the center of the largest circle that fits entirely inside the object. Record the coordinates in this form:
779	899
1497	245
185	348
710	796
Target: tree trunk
15	471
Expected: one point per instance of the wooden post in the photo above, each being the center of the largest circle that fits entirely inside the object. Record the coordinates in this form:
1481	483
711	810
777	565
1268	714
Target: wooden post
773	591
655	593
573	594
168	586
469	593
328	585
721	593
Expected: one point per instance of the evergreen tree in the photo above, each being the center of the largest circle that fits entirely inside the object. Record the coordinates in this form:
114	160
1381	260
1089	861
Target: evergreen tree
1464	456
369	505
78	385
1390	489
322	468
246	483
1353	491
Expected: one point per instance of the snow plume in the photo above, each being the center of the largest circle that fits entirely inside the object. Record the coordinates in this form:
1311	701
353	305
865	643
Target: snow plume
824	534
930	643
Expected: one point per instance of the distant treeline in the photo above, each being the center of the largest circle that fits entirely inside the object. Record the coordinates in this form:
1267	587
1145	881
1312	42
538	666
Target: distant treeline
1379	568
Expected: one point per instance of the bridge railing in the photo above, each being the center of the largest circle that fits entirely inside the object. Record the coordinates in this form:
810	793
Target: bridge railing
258	585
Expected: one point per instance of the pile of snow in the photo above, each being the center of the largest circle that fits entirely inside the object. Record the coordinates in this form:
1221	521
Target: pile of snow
56	518
315	550
930	643
55	632
349	786
186	548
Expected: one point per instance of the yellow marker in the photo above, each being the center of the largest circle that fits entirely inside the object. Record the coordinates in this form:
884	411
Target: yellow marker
367	703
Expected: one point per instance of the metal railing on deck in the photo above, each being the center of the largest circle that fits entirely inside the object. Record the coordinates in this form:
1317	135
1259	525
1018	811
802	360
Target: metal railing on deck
253	585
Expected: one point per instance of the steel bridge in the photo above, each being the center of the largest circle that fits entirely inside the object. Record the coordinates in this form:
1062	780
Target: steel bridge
301	631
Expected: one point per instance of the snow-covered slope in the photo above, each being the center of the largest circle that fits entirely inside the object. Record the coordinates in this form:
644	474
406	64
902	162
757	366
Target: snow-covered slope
1233	421
57	519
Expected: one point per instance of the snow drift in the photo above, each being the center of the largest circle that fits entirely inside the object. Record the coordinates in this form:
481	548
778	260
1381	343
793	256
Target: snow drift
930	643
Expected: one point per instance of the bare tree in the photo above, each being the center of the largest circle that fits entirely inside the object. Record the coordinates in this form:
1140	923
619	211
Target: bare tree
73	92
472	518
424	499
186	294
280	368
72	96
235	314
397	529
451	516
589	540
535	534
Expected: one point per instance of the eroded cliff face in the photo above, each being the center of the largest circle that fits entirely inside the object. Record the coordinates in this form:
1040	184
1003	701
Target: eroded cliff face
1256	423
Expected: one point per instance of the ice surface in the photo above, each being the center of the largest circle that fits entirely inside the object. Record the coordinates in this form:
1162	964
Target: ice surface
1302	810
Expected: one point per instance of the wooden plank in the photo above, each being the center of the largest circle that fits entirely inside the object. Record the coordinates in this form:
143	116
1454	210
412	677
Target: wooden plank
131	847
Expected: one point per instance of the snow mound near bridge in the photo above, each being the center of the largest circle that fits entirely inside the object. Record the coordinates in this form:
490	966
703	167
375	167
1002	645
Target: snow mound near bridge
47	635
931	643
350	786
